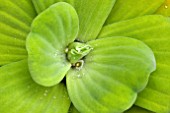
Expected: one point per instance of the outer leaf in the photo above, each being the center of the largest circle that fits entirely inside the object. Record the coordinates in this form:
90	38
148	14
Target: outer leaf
20	94
155	32
156	96
51	32
164	9
114	72
136	109
73	109
41	5
92	15
15	19
128	9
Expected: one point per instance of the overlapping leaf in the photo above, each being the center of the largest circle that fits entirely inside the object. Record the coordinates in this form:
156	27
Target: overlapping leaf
128	9
108	81
20	94
72	109
136	109
164	9
92	14
15	19
14	27
155	32
41	5
51	33
133	109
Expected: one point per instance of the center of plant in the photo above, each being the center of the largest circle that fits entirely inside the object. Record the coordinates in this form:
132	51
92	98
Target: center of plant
76	51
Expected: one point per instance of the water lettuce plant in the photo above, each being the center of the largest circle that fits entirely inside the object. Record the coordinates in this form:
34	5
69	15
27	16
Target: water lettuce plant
103	56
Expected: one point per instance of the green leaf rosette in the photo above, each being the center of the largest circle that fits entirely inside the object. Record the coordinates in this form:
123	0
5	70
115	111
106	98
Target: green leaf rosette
108	73
83	56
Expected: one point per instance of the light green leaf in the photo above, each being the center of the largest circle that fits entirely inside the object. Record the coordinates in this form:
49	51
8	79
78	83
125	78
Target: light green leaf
41	5
51	33
113	73
77	50
164	9
20	94
136	109
133	109
128	9
15	19
92	15
155	32
156	96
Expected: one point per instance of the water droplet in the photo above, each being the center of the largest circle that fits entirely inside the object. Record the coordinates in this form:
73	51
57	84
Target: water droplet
166	7
41	98
45	94
46	91
91	59
54	97
79	65
66	50
73	77
79	76
55	54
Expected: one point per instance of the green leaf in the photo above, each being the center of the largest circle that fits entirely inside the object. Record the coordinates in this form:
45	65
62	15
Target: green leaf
136	109
113	73
164	9
15	19
155	32
156	96
51	32
128	9
92	15
77	50
72	109
41	5
20	94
